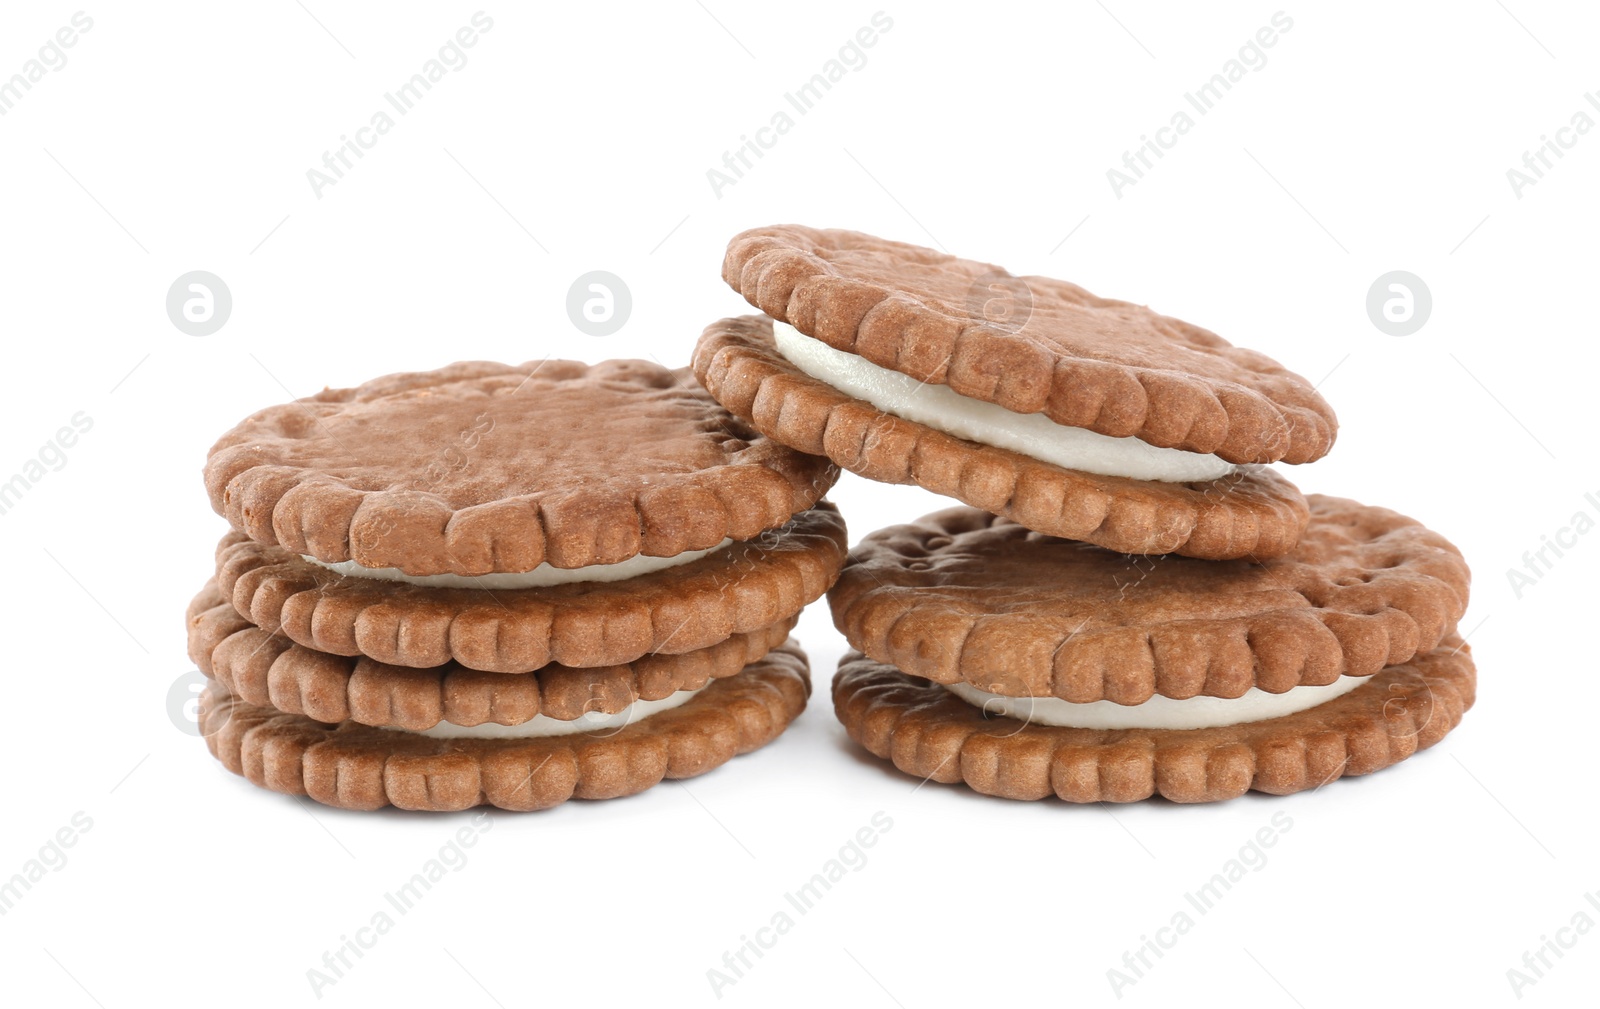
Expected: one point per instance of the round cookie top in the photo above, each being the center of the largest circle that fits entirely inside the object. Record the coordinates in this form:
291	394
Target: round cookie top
1031	344
963	595
481	468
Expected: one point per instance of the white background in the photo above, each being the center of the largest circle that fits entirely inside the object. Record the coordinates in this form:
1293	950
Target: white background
578	137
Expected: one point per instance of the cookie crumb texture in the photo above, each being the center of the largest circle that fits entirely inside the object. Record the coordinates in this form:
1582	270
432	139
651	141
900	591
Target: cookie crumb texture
926	731
480	468
355	766
1109	366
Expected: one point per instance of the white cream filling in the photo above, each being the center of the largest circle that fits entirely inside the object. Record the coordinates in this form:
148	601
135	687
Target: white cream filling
544	725
1031	434
540	577
1158	712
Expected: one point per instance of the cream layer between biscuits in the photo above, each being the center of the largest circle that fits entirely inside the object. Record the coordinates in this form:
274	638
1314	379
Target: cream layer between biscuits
1254	705
543	725
1030	434
543	576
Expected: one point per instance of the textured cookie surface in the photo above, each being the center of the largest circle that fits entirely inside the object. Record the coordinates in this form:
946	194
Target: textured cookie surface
1252	513
270	670
927	731
963	595
1109	366
480	468
740	589
358	767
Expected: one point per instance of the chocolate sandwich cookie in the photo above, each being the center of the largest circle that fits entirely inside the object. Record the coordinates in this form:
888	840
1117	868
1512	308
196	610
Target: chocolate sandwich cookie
962	595
1016	752
1078	416
1028	666
703	599
536	764
266	669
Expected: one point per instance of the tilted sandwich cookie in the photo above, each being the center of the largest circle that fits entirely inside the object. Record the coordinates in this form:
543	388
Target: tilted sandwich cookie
1076	416
505	585
1028	666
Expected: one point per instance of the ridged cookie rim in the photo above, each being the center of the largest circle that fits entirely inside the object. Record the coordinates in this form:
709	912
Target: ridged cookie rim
924	730
306	510
358	767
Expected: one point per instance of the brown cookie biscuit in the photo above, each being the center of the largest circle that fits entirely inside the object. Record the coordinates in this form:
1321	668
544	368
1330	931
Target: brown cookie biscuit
359	767
929	732
1251	512
737	590
483	468
1112	367
270	670
963	595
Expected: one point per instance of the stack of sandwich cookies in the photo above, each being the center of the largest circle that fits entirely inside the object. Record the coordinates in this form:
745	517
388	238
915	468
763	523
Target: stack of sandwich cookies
1075	416
1028	666
1142	606
513	586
